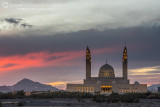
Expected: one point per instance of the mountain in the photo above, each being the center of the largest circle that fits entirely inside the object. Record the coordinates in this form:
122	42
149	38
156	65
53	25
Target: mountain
28	85
153	88
5	89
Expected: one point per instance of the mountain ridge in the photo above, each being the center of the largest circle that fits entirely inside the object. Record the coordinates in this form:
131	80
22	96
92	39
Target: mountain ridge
27	85
153	87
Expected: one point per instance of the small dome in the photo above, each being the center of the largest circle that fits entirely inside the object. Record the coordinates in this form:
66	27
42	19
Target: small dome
136	82
106	71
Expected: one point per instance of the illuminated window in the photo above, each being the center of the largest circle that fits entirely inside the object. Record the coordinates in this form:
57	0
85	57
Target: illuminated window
90	89
76	88
106	88
84	89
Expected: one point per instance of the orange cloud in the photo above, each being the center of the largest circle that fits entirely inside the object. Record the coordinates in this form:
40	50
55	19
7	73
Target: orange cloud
38	59
147	75
44	58
58	84
62	84
144	70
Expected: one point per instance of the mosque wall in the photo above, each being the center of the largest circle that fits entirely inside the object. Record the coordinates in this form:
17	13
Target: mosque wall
108	88
129	88
95	80
89	88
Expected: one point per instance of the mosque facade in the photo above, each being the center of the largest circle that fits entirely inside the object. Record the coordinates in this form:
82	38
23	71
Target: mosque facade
106	82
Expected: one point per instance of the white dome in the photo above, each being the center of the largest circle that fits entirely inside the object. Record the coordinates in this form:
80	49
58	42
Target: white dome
106	71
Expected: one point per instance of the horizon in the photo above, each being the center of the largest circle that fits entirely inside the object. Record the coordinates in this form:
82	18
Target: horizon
45	41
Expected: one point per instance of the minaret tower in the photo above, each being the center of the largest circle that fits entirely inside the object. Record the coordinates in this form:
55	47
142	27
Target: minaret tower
88	63
125	64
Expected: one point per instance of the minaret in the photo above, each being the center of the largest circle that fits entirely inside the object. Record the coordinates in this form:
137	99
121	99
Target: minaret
88	63
125	64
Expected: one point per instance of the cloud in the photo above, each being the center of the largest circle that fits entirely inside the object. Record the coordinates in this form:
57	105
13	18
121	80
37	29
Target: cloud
147	75
43	59
142	47
8	65
145	71
36	60
58	84
26	25
62	84
71	25
68	16
13	21
7	24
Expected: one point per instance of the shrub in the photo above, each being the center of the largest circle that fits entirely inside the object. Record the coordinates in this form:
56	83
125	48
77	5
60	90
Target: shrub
68	104
0	104
113	98
99	98
154	96
20	94
129	98
20	104
6	95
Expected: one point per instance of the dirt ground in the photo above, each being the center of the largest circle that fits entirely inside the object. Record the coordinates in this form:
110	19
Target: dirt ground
68	102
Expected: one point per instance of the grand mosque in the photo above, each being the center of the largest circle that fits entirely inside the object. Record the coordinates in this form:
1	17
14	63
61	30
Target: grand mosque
106	82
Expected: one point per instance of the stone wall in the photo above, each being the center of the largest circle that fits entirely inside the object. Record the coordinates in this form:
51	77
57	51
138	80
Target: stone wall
90	88
129	88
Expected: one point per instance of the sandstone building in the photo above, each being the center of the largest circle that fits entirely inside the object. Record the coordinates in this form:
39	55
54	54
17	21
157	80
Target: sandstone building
106	82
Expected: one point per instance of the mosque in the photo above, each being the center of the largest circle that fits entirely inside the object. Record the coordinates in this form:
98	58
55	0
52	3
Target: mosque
106	82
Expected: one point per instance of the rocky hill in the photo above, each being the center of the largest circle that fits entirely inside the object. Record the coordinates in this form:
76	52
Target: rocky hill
27	85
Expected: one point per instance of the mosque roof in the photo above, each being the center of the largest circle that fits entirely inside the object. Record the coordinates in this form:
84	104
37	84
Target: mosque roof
106	71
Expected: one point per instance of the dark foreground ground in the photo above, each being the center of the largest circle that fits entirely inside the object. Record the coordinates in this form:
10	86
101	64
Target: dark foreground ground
71	102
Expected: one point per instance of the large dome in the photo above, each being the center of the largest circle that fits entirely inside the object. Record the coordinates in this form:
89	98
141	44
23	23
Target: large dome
106	71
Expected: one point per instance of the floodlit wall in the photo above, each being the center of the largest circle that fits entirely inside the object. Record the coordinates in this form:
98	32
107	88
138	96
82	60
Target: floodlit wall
89	88
129	88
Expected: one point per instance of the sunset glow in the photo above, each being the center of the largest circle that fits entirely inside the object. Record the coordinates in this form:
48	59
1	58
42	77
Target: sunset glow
46	40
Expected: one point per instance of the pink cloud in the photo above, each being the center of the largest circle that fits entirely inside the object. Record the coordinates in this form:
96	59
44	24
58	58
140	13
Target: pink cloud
45	58
38	59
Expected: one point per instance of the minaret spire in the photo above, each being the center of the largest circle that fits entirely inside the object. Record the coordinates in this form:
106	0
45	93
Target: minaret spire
125	63
88	63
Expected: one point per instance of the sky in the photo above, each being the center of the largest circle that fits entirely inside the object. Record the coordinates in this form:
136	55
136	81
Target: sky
45	41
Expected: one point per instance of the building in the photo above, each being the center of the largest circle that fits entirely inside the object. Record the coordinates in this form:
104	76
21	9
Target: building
106	82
